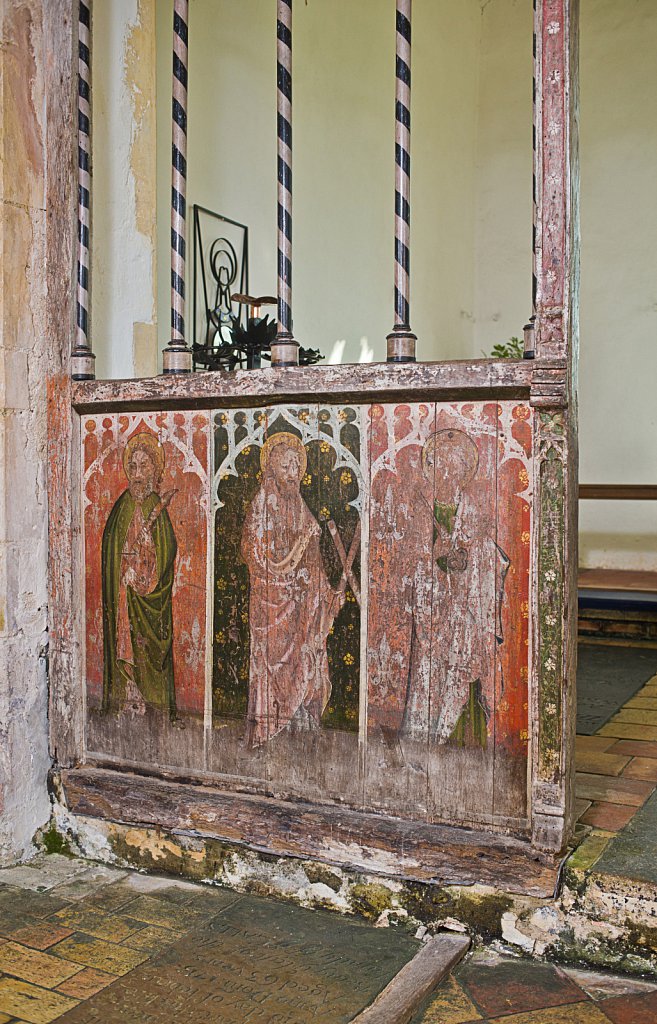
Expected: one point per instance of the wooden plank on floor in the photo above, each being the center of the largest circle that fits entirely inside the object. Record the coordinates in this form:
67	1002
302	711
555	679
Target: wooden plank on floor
416	981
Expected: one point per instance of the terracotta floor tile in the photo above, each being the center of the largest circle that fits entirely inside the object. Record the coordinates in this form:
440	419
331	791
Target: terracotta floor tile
635	748
610	817
598	763
450	1005
637	1009
33	965
105	956
516	986
96	923
36	1005
86	983
40	935
641	768
612	790
597	743
581	806
626	731
577	1013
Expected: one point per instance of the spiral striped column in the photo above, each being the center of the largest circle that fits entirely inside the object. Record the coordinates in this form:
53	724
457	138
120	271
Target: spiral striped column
82	357
284	350
401	342
177	356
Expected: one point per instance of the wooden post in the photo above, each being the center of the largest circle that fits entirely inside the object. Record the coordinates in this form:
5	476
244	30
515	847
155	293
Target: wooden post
401	342
177	356
554	589
284	350
82	357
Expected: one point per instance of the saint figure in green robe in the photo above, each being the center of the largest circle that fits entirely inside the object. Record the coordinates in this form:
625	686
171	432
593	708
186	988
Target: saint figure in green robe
138	556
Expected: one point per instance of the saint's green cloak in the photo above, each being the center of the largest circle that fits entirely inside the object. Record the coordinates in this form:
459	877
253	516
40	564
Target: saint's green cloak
150	616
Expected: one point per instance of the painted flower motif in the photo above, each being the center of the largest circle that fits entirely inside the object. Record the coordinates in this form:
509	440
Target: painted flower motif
348	659
326	478
345	477
324	512
550	665
525	537
244	674
220	637
307	480
524	735
325	447
331	631
261	417
551	576
224	476
303	416
244	617
350	597
550	620
221	583
553	28
247	450
523	477
551	709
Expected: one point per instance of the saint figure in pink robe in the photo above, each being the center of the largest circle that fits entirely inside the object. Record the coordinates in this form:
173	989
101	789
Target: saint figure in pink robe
291	602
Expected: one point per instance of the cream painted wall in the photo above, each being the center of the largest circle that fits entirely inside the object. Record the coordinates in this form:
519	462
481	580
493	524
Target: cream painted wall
124	168
343	161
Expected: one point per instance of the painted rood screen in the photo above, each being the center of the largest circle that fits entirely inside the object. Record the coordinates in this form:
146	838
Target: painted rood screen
319	601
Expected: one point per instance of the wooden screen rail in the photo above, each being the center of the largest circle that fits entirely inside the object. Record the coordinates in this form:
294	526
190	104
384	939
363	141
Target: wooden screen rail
618	492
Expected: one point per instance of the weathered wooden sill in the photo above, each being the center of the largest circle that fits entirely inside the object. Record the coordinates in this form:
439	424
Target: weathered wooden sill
377	844
462	379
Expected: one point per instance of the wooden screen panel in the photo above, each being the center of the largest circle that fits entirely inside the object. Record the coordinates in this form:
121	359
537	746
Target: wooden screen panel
145	491
399	622
448	623
287	620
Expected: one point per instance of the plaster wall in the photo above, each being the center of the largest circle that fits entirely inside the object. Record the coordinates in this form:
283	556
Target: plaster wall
343	162
124	209
24	757
618	319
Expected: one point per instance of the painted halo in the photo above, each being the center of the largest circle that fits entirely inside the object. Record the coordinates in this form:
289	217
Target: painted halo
455	441
290	441
147	443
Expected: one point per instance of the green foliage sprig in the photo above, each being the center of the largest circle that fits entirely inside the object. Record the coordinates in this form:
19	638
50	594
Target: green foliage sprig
514	348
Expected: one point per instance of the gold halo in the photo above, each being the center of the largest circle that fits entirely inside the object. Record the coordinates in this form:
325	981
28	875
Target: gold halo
454	439
292	441
148	443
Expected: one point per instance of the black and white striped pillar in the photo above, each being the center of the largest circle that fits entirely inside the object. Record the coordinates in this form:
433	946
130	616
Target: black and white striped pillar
82	357
177	356
284	349
401	342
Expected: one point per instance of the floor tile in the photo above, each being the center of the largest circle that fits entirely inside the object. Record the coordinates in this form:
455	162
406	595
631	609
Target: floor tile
578	1013
635	1009
601	985
642	768
23	905
110	899
593	743
86	983
88	882
516	986
610	817
589	851
105	956
150	910
633	852
96	923
450	1005
41	934
637	715
645	703
612	789
33	965
32	1004
635	748
580	807
600	763
151	939
43	873
627	731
